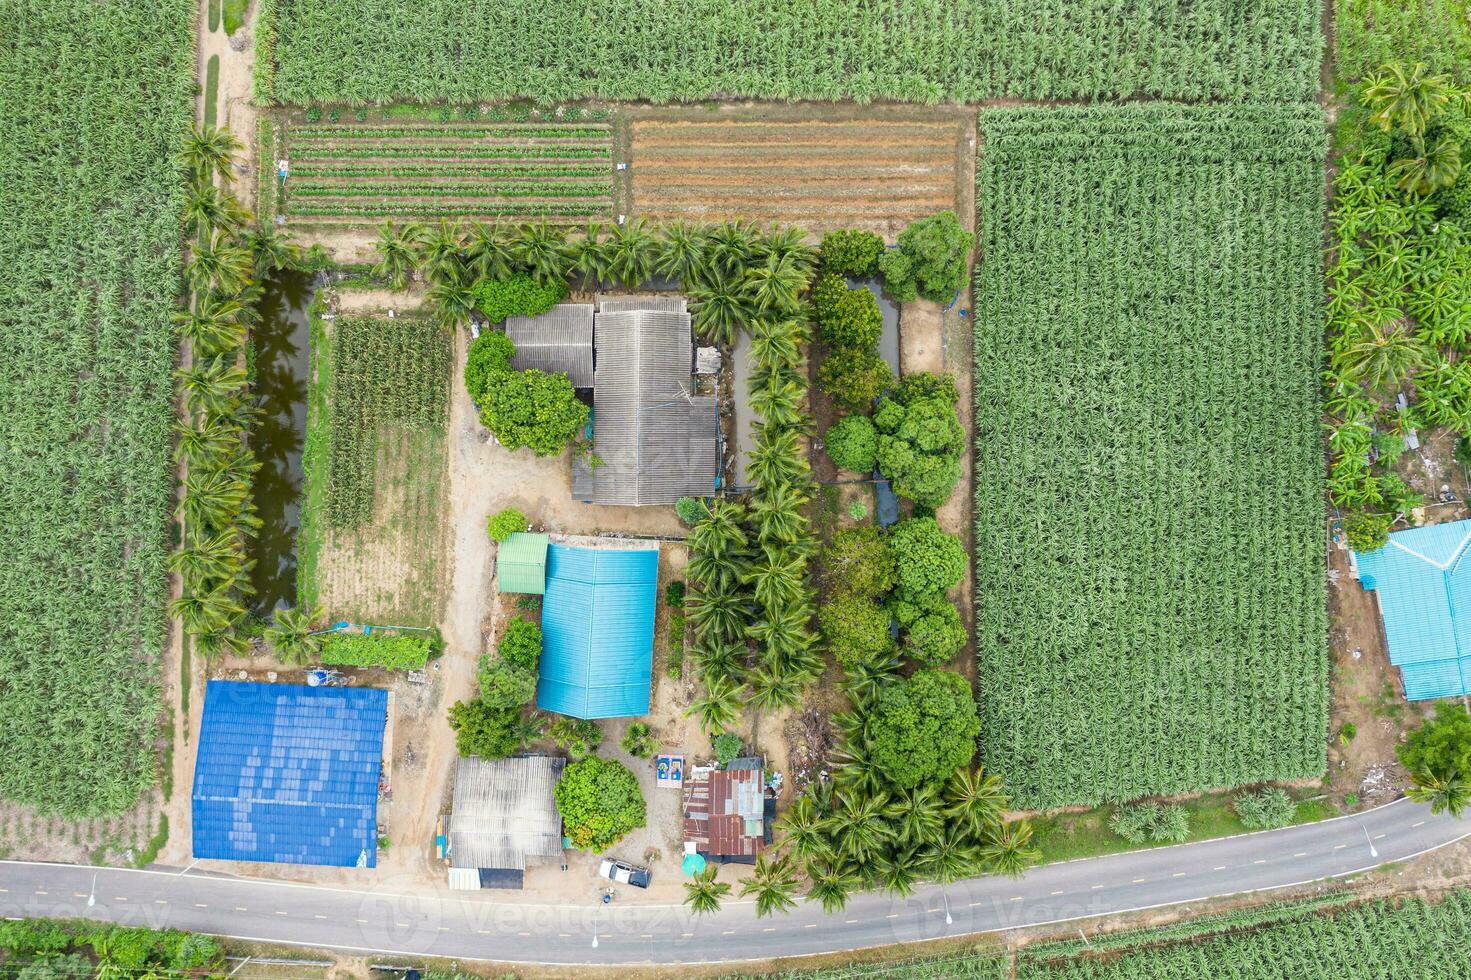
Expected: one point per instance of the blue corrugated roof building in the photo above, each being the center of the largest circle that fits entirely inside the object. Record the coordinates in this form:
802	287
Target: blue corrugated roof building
289	774
1423	581
597	622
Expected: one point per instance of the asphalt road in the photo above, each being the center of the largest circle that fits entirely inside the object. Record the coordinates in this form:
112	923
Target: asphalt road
493	926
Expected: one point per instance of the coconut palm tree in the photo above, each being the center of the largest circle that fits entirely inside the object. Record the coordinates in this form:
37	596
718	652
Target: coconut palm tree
1382	356
205	440
202	612
975	800
950	856
398	248
1445	794
855	769
704	894
214	325
207	153
632	251
1434	165
717	571
210	384
777	576
681	254
216	556
588	257
223	639
1009	851
832	882
719	658
777	457
920	814
778	398
439	253
220	263
859	824
803	831
717	708
728	247
207	208
488	251
290	635
453	302
868	678
720	531
720	612
719	308
212	500
782	630
777	513
895	871
787	244
773	690
773	882
777	343
273	251
1409	100
539	248
776	285
526	729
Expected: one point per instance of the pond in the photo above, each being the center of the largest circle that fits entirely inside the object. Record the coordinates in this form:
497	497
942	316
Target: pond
282	365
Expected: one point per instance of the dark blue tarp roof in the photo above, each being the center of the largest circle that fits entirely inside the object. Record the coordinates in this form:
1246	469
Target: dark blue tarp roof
289	773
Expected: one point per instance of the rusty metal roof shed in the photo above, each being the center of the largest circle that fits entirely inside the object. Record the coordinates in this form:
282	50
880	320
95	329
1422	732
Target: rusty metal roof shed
724	811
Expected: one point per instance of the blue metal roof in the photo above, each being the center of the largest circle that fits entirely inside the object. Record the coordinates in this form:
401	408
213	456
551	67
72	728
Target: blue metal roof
597	624
289	773
1423	581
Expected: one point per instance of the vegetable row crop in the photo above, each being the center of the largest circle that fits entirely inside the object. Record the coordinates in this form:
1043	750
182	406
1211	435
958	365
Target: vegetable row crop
549	151
519	171
371	209
494	131
1149	474
538	188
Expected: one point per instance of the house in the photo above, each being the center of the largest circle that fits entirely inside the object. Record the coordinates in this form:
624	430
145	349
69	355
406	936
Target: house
521	564
504	814
727	815
289	774
557	341
1421	580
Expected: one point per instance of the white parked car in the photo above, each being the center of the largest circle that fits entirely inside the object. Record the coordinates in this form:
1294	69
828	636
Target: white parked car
624	874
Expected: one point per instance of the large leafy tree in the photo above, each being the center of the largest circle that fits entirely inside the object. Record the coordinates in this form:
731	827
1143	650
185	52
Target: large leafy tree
533	410
1438	756
927	559
925	727
931	260
599	801
919	447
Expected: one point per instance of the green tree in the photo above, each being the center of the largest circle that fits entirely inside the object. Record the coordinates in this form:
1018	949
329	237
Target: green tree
207	153
931	260
848	318
925	727
850	252
516	295
859	562
854	377
504	523
1408	99
1439	751
931	626
773	882
856	629
505	686
600	802
489	357
704	894
520	644
482	730
398	248
1367	530
919	448
852	444
927	559
290	635
534	410
718	706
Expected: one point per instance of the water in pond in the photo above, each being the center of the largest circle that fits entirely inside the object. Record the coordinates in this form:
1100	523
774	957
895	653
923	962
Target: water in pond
282	366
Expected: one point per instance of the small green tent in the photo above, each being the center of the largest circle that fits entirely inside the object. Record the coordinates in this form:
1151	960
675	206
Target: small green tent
521	564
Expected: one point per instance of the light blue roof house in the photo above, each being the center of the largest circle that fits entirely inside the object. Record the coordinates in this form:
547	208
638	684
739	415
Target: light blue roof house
597	622
1423	581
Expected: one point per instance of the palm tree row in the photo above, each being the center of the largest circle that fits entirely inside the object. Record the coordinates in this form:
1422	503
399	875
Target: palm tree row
226	262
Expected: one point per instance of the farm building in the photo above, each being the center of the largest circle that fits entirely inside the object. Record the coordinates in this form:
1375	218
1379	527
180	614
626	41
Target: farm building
727	817
657	439
289	774
559	340
503	814
597	621
521	564
1422	581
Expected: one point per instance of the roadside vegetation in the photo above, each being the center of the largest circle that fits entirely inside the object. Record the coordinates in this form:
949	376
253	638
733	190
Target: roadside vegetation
98	100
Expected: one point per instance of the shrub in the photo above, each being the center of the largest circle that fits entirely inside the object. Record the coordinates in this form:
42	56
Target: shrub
727	748
638	740
489	355
674	595
851	252
852	444
1266	809
857	510
931	260
517	295
504	686
674	667
919	448
927	559
691	510
1366	530
856	629
27	938
1144	822
520	644
1440	747
860	562
533	409
483	730
854	378
932	628
578	737
391	651
504	523
599	801
924	728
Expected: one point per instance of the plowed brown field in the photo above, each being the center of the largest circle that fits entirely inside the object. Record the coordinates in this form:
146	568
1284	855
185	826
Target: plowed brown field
876	168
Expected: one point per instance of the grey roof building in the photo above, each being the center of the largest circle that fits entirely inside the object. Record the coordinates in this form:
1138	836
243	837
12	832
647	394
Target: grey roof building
503	813
559	340
657	439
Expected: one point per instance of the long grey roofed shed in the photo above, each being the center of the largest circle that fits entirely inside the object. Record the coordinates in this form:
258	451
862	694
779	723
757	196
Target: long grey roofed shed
504	812
657	439
559	340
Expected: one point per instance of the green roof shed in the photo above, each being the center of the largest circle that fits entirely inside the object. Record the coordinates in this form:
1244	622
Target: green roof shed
521	564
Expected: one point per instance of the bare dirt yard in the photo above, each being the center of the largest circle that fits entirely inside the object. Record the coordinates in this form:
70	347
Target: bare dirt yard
820	167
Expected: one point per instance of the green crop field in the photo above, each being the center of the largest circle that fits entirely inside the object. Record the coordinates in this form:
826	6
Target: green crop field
1149	472
97	99
346	174
355	51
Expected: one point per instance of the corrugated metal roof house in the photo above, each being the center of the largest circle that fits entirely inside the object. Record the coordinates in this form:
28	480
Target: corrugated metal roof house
1423	583
725	812
559	340
597	622
657	440
521	563
504	813
289	774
